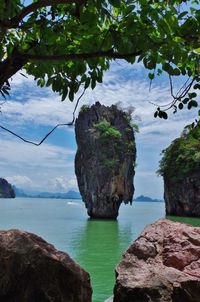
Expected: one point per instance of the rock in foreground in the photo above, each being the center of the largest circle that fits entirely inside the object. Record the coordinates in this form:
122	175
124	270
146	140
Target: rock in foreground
162	265
32	270
105	159
6	190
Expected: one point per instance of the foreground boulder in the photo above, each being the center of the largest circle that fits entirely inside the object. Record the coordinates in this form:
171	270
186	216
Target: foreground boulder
32	270
162	265
105	159
6	190
180	168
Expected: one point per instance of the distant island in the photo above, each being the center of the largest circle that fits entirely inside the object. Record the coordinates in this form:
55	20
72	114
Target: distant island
68	195
146	198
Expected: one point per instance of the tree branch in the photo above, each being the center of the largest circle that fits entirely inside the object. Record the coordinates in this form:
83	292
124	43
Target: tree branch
54	128
13	22
10	66
80	56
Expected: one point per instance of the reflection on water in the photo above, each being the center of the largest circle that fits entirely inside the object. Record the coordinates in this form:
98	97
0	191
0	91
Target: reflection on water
99	250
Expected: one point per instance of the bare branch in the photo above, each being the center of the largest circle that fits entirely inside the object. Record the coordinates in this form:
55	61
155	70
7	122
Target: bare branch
54	128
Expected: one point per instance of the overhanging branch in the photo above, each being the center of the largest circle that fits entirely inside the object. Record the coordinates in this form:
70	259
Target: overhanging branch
13	22
81	56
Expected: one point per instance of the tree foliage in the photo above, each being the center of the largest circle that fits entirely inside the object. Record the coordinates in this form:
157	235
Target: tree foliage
67	44
182	157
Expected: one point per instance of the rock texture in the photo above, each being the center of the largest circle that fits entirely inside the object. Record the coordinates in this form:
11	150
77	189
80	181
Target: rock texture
104	163
32	270
162	265
182	196
6	190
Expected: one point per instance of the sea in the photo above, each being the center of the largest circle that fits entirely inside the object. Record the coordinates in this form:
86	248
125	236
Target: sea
97	245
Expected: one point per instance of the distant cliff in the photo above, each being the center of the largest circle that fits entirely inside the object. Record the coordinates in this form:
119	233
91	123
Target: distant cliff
6	190
105	159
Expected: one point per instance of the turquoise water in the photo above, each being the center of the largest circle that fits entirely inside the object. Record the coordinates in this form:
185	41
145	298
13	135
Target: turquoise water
95	244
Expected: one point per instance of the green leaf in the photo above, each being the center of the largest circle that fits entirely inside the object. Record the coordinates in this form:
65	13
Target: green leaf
93	84
164	115
151	76
180	106
64	94
196	86
192	104
192	95
115	3
71	95
87	83
186	100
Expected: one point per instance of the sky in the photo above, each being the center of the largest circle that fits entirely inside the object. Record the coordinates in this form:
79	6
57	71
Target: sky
32	112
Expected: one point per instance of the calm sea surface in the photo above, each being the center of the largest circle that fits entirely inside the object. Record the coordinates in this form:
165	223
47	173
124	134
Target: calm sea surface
95	244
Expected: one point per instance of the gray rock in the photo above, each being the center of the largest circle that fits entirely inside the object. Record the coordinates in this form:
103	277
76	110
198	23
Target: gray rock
162	265
32	270
6	190
104	163
182	196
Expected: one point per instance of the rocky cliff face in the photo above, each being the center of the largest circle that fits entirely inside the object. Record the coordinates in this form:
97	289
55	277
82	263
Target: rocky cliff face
6	190
180	168
182	197
32	270
104	163
162	265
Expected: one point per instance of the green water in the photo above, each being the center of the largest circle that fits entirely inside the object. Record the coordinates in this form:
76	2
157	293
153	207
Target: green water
95	244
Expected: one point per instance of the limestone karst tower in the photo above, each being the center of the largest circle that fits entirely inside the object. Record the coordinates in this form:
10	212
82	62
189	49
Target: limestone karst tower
105	159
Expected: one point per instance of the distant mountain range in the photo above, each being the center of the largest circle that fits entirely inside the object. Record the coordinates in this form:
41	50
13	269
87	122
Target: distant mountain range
146	198
67	195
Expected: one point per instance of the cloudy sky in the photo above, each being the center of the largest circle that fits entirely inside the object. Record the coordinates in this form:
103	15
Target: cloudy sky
31	112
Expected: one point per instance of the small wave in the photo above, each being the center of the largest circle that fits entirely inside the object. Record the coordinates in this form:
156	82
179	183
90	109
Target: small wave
73	203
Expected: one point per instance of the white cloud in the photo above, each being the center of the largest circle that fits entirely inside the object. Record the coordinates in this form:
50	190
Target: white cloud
20	180
63	184
37	168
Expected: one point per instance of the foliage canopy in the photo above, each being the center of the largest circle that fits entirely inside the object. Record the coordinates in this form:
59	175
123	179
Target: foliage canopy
68	44
182	157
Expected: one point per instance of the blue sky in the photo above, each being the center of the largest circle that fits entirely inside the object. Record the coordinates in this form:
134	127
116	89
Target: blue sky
32	112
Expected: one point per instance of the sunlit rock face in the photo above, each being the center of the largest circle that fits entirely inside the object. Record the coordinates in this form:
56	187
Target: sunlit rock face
162	265
105	159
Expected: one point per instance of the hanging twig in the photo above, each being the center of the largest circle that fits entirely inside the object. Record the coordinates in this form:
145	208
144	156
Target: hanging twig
45	137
